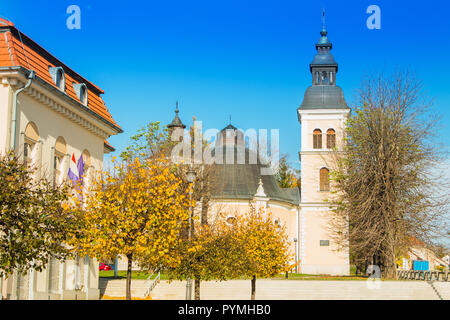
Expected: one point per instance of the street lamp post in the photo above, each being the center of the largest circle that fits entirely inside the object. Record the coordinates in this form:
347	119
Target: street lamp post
296	256
190	178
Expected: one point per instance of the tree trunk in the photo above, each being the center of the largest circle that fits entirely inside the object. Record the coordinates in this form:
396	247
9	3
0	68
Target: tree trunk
204	215
197	289
116	263
128	285
253	287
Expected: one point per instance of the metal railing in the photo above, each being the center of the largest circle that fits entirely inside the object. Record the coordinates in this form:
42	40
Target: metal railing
152	283
423	275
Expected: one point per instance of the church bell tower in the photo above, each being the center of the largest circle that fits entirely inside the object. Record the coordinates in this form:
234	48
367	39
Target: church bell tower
322	115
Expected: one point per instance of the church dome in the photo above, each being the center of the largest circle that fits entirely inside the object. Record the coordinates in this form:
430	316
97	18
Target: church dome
240	178
323	97
241	181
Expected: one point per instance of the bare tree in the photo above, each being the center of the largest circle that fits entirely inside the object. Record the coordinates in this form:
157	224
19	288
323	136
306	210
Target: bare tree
386	189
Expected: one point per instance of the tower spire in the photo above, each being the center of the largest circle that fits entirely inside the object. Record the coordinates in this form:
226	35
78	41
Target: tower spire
176	122
323	19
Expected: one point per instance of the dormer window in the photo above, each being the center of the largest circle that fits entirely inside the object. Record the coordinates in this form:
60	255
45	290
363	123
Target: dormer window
58	77
81	91
83	94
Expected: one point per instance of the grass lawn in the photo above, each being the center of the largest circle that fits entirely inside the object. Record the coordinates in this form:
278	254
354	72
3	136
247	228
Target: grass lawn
141	275
136	275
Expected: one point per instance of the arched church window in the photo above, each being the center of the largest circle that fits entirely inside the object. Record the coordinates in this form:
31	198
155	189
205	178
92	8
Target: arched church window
324	179
317	139
331	138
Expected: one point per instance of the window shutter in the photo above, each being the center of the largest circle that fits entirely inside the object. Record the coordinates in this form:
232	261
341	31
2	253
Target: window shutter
22	286
53	275
317	139
331	138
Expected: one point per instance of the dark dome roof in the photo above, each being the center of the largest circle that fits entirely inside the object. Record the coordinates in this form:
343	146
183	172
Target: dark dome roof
240	181
324	97
176	122
229	127
323	59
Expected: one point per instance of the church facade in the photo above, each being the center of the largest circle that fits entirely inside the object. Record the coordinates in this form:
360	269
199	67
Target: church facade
304	212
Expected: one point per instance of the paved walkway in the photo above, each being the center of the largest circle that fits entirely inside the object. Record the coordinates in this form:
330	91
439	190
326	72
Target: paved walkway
285	290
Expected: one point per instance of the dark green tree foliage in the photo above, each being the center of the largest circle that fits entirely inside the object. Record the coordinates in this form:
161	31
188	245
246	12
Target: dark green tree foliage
33	224
286	176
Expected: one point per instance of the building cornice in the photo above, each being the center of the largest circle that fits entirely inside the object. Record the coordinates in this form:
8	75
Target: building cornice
322	152
241	201
323	111
59	102
317	204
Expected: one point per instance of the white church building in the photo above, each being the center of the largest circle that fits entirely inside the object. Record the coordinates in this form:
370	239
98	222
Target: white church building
304	211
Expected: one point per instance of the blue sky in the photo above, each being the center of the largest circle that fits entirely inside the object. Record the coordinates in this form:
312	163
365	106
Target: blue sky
247	59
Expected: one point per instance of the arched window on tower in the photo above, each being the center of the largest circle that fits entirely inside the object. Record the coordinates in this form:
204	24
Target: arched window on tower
324	179
331	138
317	139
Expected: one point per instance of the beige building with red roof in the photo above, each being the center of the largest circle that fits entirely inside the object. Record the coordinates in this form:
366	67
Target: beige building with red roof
49	113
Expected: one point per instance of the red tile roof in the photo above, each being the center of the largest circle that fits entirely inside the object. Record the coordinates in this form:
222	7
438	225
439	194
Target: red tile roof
28	54
109	146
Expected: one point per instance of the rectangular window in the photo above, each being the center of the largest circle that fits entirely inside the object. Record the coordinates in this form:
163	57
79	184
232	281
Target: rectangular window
324	243
56	169
27	151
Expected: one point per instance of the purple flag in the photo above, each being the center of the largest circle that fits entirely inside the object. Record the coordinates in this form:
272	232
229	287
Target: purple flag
80	167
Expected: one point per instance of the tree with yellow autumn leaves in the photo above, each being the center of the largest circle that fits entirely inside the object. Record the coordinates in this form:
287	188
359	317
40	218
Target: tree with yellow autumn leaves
264	247
251	246
138	211
211	254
